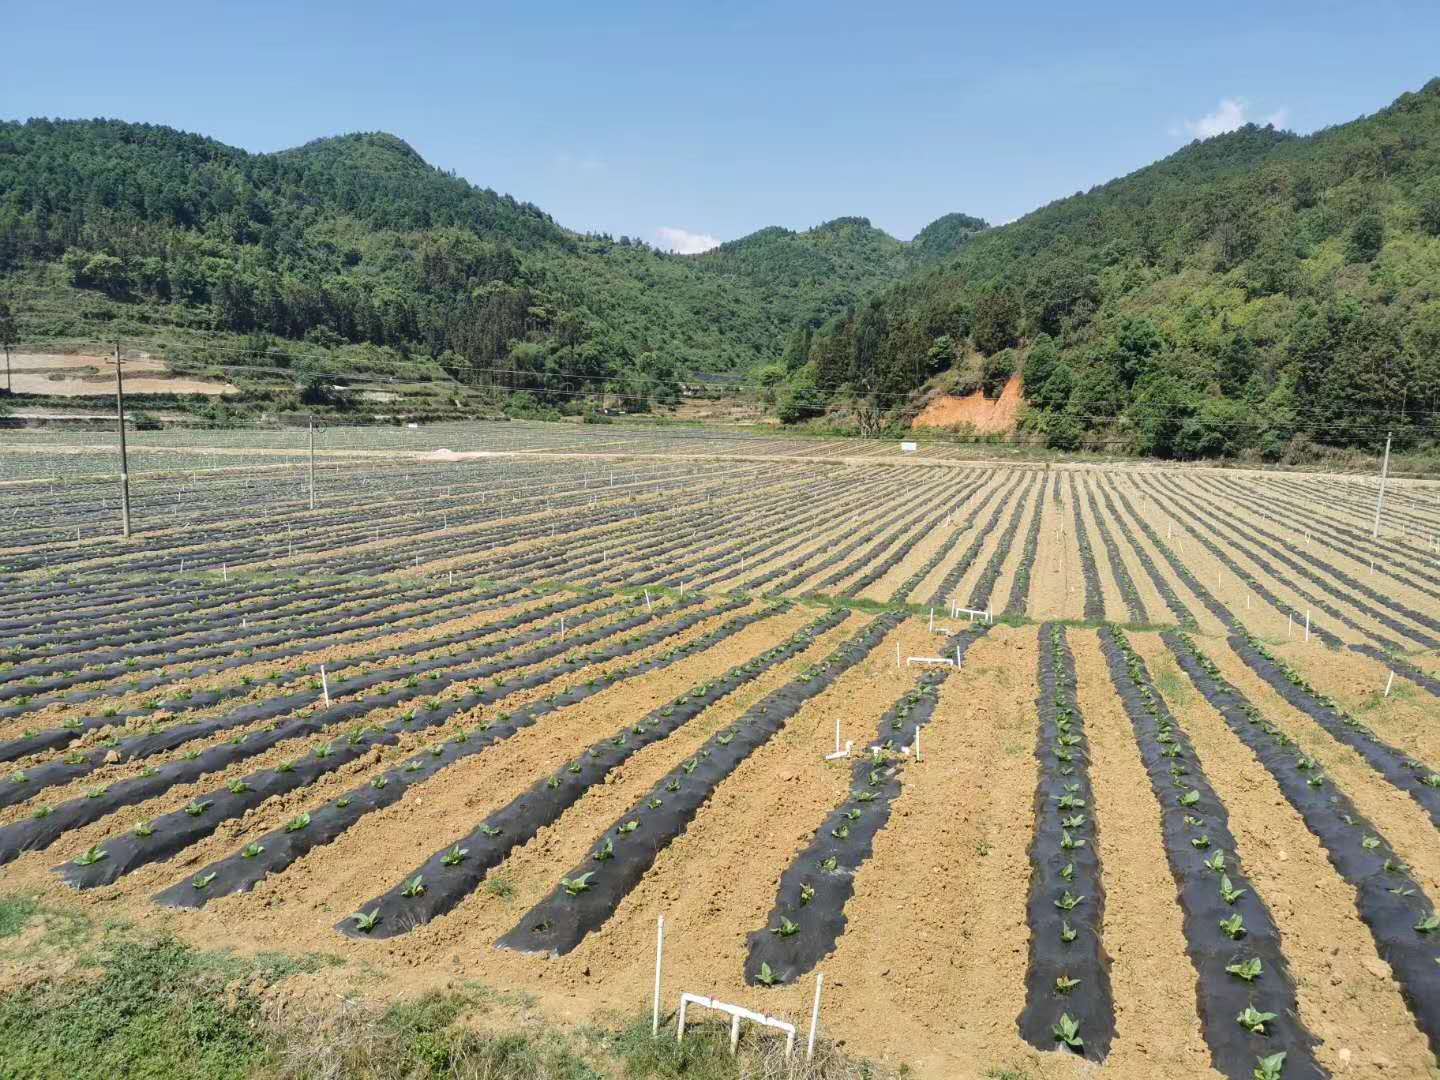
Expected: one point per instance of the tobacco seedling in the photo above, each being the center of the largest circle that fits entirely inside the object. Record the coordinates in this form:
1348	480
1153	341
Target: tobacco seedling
1253	1020
1067	1031
865	796
1233	927
454	855
1429	924
1249	970
366	921
829	865
1201	842
1269	1068
841	832
1068	871
90	857
807	893
298	822
1068	842
252	850
414	887
143	829
490	830
1216	862
237	787
1190	798
1068	901
204	880
1064	984
654	803
195	809
604	851
786	928
578	884
628	827
1067	932
1228	892
765	976
672	785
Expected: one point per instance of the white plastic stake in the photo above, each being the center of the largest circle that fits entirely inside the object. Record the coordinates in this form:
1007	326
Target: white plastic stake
452	577
324	684
659	955
917	742
1290	625
932	620
837	734
1389	683
224	573
1307	624
897	654
814	1016
562	627
647	600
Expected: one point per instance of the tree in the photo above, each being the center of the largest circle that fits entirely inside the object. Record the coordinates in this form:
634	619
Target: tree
1366	238
9	337
1430	206
996	321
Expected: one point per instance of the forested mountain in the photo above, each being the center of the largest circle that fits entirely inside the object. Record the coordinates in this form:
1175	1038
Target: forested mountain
1250	293
356	242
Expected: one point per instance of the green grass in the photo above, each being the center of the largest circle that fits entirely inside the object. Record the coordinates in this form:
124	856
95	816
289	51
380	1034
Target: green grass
15	914
132	1004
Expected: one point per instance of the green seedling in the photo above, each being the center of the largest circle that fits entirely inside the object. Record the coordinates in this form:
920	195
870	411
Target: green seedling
1228	892
807	893
1068	901
654	803
1233	927
1068	842
628	827
237	787
1190	798
1429	924
1076	822
490	830
1253	1020
252	850
204	880
1269	1068
1201	842
298	822
1249	970
578	884
786	928
454	856
1216	862
414	887
840	832
366	921
865	796
1064	984
90	857
574	768
379	782
829	865
604	851
195	809
143	829
1068	871
1067	1031
672	785
1067	932
344	802
765	976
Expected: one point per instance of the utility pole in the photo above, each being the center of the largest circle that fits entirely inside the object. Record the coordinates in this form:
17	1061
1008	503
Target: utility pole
312	463
1380	498
124	462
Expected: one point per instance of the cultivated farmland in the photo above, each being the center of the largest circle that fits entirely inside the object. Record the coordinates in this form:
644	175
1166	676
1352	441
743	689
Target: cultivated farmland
510	692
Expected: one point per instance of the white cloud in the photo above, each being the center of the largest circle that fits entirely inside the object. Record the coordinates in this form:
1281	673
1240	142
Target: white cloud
1229	114
685	242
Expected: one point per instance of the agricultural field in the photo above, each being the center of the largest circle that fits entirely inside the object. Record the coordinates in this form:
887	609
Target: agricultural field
509	693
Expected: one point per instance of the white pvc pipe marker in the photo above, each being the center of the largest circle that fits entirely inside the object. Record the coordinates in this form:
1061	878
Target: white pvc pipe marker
659	956
814	1016
324	684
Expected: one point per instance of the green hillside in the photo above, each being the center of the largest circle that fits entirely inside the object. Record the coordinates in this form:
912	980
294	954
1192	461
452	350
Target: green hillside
1255	293
351	254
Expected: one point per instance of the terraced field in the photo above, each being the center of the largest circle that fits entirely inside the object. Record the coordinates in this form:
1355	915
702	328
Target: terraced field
511	692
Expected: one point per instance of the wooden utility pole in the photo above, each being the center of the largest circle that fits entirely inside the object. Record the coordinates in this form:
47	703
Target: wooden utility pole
1380	497
124	462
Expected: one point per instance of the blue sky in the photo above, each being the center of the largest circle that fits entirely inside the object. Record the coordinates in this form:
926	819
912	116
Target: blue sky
713	119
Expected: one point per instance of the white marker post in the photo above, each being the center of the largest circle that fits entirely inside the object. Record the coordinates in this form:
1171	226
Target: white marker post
1307	624
917	742
814	1016
1389	683
324	685
647	601
659	956
1290	624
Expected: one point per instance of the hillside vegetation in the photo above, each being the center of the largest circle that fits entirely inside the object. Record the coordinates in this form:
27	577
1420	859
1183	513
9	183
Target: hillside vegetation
351	254
1255	293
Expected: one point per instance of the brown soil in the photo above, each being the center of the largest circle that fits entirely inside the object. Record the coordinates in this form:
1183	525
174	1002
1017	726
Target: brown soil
975	412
